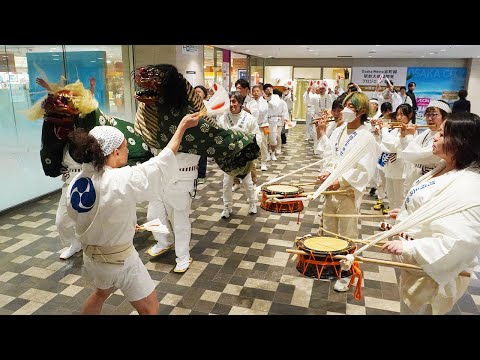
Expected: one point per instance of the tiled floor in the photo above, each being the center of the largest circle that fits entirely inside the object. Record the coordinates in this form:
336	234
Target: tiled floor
240	265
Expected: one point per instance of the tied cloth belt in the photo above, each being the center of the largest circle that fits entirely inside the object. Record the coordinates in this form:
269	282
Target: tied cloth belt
108	254
190	168
425	169
274	116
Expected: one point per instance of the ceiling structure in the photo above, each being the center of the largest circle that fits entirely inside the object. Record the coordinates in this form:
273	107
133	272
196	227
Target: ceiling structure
358	51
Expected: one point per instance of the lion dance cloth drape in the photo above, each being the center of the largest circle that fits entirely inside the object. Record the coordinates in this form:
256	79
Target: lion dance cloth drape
233	151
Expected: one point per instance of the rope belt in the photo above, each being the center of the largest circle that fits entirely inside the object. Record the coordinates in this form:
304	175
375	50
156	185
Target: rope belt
108	254
190	168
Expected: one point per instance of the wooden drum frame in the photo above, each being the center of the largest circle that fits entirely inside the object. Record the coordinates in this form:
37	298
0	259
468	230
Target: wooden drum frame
320	262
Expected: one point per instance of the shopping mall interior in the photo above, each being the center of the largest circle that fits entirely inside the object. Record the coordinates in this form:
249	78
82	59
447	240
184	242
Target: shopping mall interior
240	264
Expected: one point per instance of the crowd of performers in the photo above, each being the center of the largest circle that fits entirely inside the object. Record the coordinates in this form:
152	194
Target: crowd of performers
431	171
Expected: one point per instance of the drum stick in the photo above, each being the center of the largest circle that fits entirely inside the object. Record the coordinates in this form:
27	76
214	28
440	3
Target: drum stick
258	188
393	263
282	200
356	215
333	192
305	184
296	252
276	199
306	176
281	196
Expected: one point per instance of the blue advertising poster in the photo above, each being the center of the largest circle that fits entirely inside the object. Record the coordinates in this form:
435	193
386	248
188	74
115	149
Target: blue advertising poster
435	83
80	65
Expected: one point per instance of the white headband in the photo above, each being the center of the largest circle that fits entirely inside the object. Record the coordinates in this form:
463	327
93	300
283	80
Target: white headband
441	105
109	138
374	101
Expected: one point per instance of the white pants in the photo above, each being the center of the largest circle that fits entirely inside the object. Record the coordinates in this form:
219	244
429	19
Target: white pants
279	138
174	206
308	127
263	147
65	225
341	204
272	137
381	184
227	189
394	189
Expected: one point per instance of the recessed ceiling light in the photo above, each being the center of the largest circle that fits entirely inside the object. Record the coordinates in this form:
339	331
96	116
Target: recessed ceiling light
369	55
232	46
310	50
431	53
443	50
422	56
247	50
378	45
109	62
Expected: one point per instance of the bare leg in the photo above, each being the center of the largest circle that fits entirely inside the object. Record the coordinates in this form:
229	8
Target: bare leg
148	305
94	303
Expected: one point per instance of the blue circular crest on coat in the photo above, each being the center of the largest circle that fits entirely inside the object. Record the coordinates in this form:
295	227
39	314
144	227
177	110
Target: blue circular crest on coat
83	195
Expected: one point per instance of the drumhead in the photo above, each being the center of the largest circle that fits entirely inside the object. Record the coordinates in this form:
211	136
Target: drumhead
325	244
281	189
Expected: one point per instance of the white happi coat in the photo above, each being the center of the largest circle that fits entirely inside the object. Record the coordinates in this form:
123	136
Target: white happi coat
102	204
322	103
418	156
341	142
443	247
259	110
242	121
391	140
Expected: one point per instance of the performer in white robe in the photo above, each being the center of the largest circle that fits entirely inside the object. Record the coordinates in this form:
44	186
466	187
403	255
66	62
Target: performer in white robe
171	204
102	202
323	102
343	140
395	141
310	99
418	155
447	245
239	119
275	115
262	121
